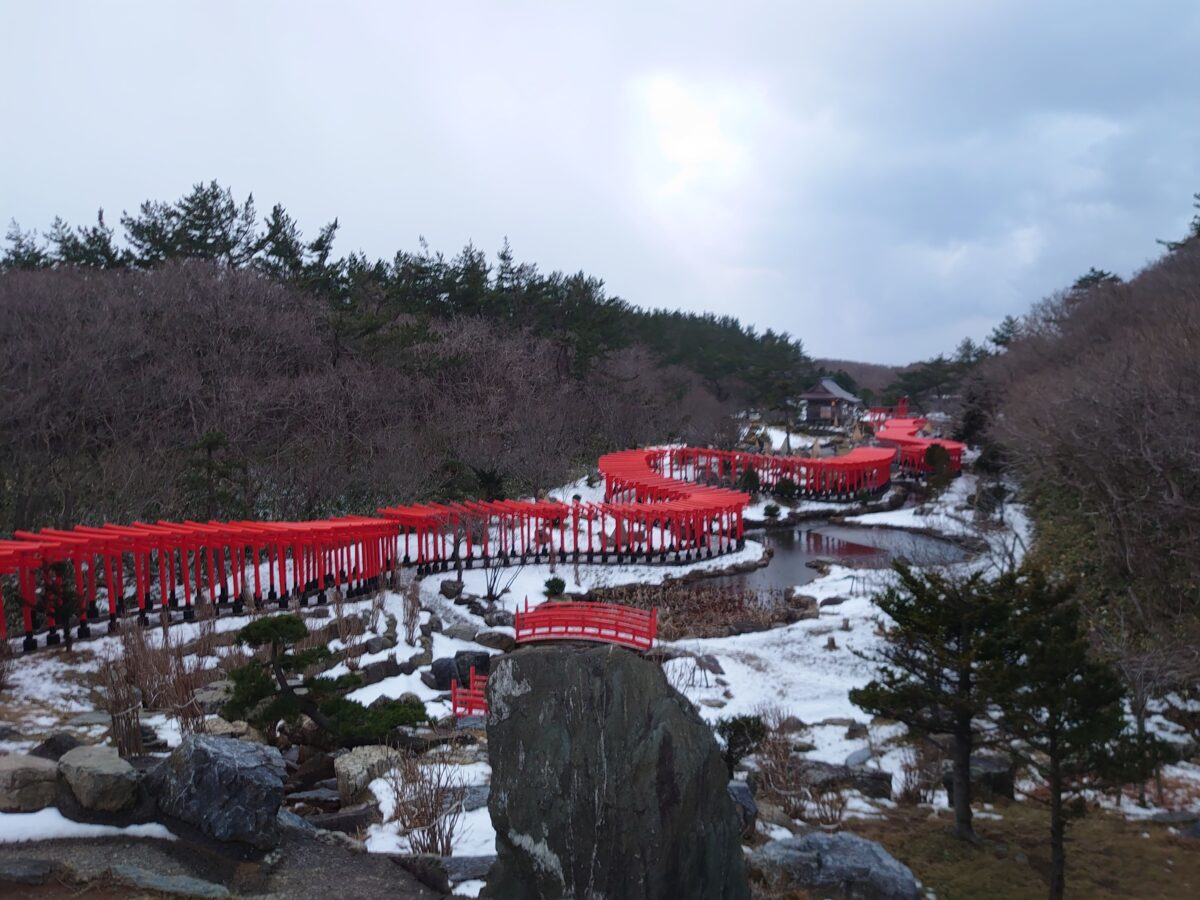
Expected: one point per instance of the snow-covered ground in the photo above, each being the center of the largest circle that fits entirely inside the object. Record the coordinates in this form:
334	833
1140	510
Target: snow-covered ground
805	670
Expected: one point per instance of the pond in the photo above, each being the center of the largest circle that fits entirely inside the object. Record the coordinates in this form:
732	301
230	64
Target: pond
866	548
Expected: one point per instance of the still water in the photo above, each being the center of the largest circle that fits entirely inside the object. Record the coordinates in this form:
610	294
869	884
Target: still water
868	548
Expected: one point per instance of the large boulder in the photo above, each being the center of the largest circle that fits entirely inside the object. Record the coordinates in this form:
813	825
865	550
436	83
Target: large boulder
225	787
56	745
839	864
27	783
605	782
465	660
100	780
359	767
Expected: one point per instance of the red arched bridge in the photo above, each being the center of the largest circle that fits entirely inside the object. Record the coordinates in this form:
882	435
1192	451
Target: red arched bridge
672	503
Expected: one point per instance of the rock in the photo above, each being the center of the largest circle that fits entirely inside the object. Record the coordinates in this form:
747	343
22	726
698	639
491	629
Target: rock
312	771
856	731
1194	831
322	798
185	885
8	733
27	871
634	773
220	729
226	788
358	768
27	783
992	776
348	819
843	863
461	632
497	640
708	663
408	697
475	796
99	778
745	805
379	643
869	782
213	697
442	672
451	589
421	739
289	821
375	672
498	617
832	601
89	719
860	757
467	868
56	745
470	723
465	659
712	702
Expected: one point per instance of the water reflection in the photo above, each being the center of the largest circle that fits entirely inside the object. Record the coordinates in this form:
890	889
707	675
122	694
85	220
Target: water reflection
872	548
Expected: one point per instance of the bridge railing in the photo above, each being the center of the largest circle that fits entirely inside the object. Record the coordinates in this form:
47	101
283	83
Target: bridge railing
608	623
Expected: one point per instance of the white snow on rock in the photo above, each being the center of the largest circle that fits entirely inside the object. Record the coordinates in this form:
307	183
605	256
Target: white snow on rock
49	824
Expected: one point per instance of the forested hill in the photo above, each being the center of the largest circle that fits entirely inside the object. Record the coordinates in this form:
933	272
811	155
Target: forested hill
377	302
210	363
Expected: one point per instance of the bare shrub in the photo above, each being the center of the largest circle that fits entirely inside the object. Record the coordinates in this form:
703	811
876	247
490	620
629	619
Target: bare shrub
6	664
778	775
412	612
122	705
166	681
920	774
206	641
339	613
824	802
427	803
784	781
376	612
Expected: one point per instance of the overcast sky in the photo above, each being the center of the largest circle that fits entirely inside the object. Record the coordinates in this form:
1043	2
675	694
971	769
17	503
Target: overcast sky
878	179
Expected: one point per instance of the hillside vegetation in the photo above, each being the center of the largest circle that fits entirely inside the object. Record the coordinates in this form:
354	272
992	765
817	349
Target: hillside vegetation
208	364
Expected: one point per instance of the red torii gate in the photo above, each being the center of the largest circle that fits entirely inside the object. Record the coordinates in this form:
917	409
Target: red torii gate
904	434
652	507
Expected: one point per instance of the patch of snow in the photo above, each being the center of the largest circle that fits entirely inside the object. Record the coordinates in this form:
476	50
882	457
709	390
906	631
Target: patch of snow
49	824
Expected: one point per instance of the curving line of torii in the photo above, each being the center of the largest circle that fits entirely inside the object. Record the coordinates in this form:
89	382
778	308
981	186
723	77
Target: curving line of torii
661	504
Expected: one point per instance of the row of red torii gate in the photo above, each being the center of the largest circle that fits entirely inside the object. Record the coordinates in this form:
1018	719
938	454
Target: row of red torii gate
672	504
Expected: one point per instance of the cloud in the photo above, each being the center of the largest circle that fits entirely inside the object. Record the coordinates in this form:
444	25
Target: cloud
878	180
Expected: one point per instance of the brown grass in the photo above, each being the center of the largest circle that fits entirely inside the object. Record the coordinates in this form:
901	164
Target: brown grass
1107	857
699	610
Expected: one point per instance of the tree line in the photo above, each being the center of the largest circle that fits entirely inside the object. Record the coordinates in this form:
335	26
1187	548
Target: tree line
735	362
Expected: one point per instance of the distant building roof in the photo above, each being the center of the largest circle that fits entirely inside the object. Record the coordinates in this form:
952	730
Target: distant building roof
827	389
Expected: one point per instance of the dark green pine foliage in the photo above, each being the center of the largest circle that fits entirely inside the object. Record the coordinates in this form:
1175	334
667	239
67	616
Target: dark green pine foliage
86	246
1061	707
24	251
931	662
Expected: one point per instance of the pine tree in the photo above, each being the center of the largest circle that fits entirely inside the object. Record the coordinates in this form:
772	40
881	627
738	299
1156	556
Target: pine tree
84	246
1061	707
23	251
930	665
1005	333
